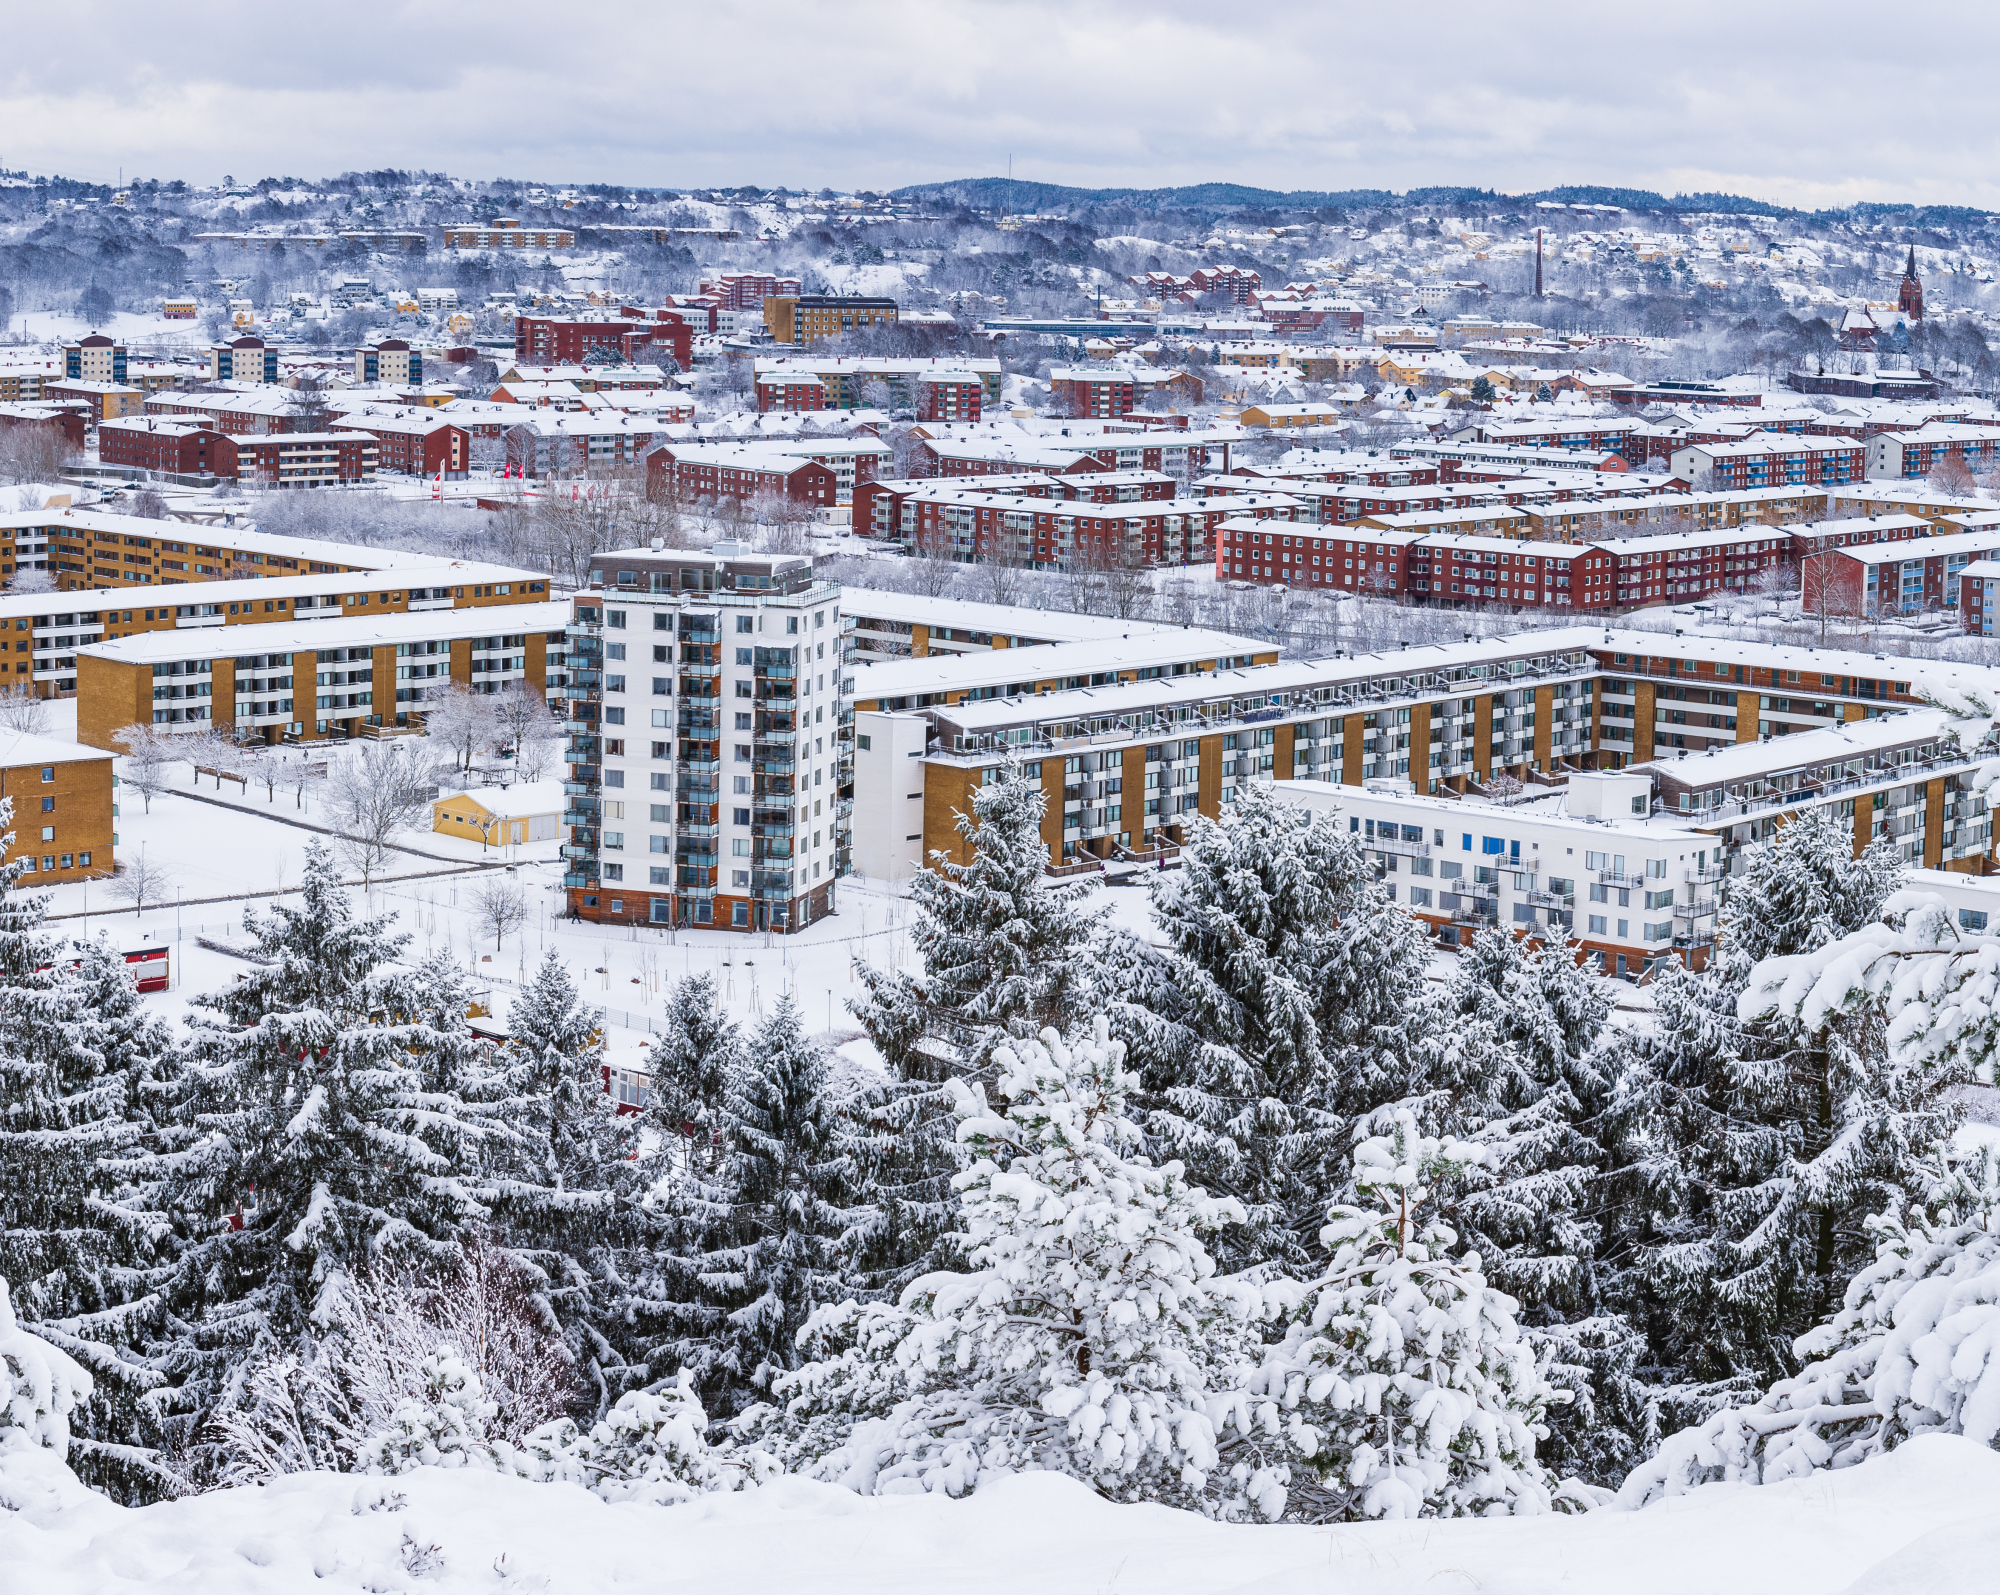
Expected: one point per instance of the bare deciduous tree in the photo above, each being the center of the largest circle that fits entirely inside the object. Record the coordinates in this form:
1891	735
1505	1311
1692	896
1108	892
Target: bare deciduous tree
139	881
377	791
147	758
21	710
521	717
499	906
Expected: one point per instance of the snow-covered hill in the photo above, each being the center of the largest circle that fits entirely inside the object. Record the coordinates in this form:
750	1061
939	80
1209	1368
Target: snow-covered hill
1919	1519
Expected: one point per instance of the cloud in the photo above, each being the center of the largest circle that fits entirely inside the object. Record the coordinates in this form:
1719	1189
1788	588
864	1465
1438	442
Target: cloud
1809	104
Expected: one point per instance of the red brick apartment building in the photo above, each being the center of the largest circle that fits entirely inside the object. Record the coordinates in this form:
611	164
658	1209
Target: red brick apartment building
724	471
1085	391
790	391
172	448
747	290
949	396
552	340
306	459
418	443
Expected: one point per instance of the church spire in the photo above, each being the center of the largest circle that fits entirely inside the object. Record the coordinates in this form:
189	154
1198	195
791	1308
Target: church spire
1910	300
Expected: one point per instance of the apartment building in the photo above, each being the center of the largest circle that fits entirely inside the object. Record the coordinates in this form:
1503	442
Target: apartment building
1979	587
790	390
39	640
102	401
811	470
167	447
413	442
584	340
888	507
64	826
1773	459
747	290
846	377
1092	391
887	625
392	360
547	442
1078	534
306	459
258	412
243	360
1590	866
87	548
1918	453
815	318
1906	577
312	678
94	358
506	232
947	394
709	754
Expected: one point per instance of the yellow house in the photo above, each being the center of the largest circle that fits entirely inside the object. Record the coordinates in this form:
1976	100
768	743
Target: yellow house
500	815
1283	415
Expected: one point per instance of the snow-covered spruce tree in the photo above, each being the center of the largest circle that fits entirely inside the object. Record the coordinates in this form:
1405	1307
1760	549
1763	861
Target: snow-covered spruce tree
1751	1144
1531	1098
1081	1341
1403	1386
1295	999
79	1060
768	1235
1910	1352
556	1182
1005	952
690	1063
327	1092
40	1386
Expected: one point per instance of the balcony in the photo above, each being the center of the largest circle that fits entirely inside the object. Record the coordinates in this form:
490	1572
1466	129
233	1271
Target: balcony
572	850
585	817
585	882
695	829
1390	844
707	766
586	787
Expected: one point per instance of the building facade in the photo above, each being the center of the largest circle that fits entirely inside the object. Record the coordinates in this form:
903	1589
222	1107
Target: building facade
709	752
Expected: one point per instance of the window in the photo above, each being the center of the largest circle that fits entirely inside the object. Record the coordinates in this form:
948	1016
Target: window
745	623
863	742
1597	925
1972	919
48	772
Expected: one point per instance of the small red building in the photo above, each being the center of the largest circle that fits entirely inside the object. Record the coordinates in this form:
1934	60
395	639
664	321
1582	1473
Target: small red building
414	443
724	471
790	390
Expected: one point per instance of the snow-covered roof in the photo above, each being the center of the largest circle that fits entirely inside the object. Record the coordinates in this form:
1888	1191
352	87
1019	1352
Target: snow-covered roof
1803	750
520	801
345	630
1937	547
25	750
1154	648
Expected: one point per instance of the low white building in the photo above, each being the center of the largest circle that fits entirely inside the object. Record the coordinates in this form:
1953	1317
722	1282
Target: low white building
1589	862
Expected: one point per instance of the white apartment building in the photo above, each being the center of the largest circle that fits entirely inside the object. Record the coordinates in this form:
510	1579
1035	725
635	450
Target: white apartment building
1590	862
710	776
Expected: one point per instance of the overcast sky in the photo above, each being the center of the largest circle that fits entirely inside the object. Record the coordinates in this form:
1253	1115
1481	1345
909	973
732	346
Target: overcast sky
1800	103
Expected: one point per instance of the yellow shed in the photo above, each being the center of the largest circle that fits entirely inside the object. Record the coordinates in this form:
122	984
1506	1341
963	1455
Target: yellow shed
498	815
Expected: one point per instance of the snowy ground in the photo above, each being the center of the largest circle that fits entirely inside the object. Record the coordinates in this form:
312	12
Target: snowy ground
1917	1520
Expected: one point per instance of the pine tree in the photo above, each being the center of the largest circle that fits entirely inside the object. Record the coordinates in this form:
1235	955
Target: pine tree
653	1446
769	1232
1403	1384
1294	1001
78	1059
1081	1341
557	1184
327	1092
1006	951
1752	1148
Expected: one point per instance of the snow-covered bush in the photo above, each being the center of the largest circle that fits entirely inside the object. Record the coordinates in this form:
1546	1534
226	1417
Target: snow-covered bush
652	1446
445	1427
1403	1381
1081	1342
1915	1349
39	1386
